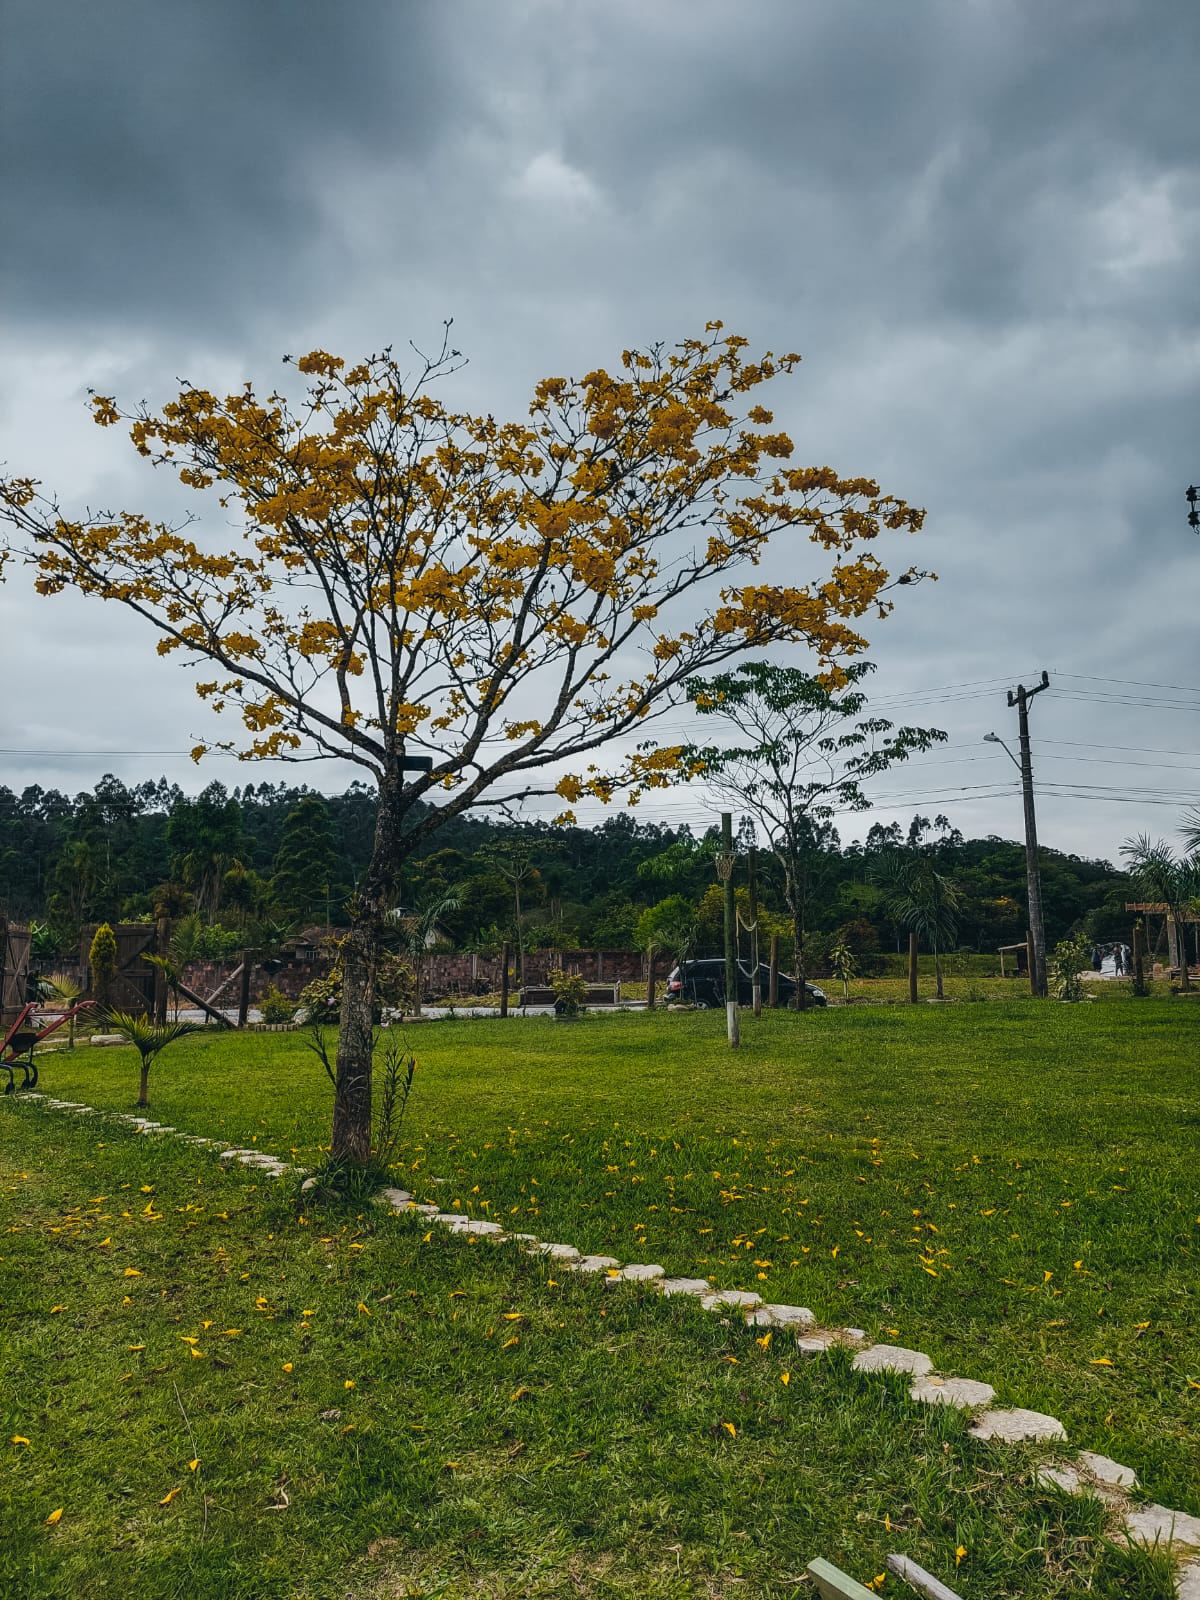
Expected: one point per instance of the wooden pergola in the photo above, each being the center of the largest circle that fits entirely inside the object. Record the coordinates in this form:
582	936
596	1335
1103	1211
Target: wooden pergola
1176	947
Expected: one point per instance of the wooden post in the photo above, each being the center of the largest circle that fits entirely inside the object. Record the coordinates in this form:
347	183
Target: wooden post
162	947
504	956
1139	959
651	960
773	978
731	967
912	967
756	980
244	989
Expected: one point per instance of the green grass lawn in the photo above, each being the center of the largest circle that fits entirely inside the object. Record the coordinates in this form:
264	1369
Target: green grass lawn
1010	1187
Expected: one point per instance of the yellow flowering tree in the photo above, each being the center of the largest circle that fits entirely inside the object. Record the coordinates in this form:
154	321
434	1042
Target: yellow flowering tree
504	600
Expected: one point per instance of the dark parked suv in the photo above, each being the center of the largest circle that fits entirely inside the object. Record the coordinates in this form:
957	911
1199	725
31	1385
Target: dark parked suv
703	983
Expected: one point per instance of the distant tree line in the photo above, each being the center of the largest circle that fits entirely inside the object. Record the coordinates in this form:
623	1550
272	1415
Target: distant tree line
266	859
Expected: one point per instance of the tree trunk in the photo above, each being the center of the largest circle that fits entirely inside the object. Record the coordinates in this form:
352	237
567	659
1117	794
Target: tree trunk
801	986
937	971
360	960
912	967
144	1088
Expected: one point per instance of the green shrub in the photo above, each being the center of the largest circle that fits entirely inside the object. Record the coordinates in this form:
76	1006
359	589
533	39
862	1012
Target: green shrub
102	958
275	1007
570	992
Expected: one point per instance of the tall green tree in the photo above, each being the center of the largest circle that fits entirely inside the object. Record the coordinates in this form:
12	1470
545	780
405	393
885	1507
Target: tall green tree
306	864
804	749
205	839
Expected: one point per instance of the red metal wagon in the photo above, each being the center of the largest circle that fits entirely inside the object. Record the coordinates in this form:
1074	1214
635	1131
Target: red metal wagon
24	1035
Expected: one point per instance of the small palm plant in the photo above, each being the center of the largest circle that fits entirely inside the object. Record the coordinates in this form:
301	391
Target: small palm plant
845	967
63	987
147	1038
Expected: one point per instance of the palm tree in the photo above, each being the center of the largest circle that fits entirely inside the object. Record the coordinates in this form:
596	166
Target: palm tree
925	900
147	1038
1172	880
420	929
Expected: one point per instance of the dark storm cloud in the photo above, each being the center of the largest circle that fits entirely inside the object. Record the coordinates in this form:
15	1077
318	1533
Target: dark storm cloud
977	219
161	160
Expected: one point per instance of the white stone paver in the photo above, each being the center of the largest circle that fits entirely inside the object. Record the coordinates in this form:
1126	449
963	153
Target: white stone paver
965	1393
1153	1523
556	1252
398	1199
773	1316
1105	1470
1187	1582
892	1358
694	1286
1016	1426
816	1344
720	1299
1058	1477
593	1264
635	1272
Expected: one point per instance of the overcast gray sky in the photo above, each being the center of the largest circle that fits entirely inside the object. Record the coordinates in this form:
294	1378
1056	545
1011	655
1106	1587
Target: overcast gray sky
976	219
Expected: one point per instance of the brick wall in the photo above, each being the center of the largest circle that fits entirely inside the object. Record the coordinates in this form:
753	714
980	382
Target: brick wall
457	974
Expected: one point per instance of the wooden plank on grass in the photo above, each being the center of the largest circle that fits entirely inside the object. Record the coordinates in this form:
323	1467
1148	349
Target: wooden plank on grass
917	1578
833	1584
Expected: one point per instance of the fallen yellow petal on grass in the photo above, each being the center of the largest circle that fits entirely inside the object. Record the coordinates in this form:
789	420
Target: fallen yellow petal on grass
287	1366
519	1394
785	1377
366	1310
508	1343
169	1496
1100	1361
19	1438
197	1355
765	1342
137	1347
133	1272
349	1384
193	1464
55	1516
730	1429
53	1309
959	1554
514	1316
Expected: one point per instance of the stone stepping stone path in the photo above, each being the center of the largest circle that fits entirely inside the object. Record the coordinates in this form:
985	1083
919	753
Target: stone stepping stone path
1088	1474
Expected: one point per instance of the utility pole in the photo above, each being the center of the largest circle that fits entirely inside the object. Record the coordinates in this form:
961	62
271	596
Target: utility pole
1037	929
725	871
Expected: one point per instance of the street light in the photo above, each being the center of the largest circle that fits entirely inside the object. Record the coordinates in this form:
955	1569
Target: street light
994	738
1193	495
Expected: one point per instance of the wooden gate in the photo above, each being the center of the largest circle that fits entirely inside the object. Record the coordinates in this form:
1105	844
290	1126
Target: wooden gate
14	951
133	987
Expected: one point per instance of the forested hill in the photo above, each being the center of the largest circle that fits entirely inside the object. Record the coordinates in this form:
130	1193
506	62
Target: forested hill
271	856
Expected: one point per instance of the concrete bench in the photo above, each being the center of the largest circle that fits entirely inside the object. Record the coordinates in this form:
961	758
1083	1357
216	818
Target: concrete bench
598	994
